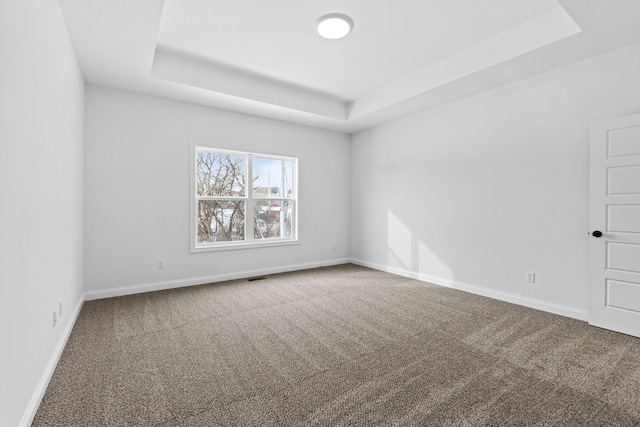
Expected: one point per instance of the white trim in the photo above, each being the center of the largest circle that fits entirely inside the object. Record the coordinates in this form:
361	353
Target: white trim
561	310
41	388
180	283
230	246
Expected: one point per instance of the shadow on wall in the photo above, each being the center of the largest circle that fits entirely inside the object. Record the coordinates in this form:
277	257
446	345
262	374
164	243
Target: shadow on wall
410	254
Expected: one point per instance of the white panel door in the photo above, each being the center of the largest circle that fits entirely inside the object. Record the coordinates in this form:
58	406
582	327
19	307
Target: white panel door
615	225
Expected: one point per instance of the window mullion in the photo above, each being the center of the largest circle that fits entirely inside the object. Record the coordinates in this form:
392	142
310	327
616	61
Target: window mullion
222	198
249	213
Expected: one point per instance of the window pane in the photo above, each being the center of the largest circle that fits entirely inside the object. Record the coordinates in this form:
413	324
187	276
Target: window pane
272	219
272	178
220	221
220	174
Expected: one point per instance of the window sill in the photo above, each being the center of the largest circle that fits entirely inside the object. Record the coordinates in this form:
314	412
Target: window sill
243	245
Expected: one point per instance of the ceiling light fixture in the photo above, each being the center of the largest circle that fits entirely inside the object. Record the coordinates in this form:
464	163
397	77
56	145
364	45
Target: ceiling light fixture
334	26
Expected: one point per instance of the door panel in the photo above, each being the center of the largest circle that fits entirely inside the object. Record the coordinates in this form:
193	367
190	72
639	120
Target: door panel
623	257
624	142
623	219
624	180
623	295
615	210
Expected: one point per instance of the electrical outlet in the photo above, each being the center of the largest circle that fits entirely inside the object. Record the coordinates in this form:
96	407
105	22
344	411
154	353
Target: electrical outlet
335	248
55	318
60	308
160	264
531	277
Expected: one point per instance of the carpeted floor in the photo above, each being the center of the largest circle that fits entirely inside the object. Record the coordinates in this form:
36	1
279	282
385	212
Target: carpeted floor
337	346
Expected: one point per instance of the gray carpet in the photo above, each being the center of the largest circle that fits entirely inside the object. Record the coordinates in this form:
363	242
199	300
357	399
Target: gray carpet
337	346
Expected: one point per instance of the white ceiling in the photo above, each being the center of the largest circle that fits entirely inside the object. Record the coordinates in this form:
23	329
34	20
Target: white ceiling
277	39
264	58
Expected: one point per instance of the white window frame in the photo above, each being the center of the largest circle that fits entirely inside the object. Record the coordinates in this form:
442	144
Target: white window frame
250	241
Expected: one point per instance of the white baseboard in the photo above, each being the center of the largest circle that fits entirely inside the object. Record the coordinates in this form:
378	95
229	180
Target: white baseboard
562	310
38	394
171	284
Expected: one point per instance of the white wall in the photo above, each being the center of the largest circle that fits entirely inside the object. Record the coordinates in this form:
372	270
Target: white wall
480	191
137	163
41	155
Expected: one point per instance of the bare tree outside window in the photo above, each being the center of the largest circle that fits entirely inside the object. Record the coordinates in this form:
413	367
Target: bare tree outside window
220	176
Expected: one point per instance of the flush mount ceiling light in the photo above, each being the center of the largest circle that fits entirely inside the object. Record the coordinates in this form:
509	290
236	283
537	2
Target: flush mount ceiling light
334	26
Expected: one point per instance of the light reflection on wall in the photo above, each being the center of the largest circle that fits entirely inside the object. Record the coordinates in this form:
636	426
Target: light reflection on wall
405	252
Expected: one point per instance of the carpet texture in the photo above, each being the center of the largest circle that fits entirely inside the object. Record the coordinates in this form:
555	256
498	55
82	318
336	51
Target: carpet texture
337	346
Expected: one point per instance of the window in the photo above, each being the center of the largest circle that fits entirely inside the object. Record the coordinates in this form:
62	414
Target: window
242	199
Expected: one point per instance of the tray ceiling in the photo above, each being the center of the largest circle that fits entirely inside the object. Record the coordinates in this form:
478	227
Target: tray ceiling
265	58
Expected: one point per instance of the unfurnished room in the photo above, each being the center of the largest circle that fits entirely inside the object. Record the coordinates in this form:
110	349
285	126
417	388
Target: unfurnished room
320	213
